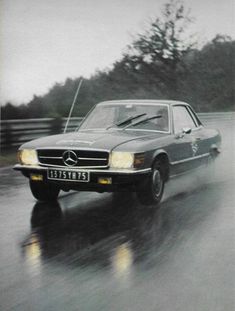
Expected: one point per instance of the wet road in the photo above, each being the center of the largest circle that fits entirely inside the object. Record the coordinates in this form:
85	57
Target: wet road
99	252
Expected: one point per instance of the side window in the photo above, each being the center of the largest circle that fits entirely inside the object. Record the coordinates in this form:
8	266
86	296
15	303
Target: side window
182	118
194	116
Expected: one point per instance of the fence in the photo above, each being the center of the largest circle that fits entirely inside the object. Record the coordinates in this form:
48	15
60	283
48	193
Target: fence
15	132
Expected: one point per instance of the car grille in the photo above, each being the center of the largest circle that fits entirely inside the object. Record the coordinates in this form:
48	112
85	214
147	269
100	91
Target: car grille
85	158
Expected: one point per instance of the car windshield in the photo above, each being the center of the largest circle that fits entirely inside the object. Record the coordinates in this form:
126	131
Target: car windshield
122	116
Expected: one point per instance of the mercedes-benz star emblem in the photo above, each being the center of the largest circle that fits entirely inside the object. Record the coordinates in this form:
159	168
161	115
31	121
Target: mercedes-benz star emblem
70	158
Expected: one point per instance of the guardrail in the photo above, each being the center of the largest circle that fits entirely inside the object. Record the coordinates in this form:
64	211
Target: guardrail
15	132
207	116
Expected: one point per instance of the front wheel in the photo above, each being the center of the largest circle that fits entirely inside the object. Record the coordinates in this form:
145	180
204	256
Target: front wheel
44	192
151	191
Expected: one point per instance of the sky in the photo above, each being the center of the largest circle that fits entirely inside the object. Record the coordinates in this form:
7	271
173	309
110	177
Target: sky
44	42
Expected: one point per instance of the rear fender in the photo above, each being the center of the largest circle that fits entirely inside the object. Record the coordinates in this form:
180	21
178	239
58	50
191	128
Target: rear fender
214	150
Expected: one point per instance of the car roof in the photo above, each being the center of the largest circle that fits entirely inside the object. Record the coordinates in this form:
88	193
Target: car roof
144	101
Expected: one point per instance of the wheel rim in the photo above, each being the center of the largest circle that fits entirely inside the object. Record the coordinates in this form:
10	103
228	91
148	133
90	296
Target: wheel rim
157	183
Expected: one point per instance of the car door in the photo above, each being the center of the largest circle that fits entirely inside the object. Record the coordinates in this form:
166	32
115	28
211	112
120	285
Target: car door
185	140
200	140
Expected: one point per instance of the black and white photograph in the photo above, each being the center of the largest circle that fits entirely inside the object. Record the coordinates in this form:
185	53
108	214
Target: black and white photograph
117	155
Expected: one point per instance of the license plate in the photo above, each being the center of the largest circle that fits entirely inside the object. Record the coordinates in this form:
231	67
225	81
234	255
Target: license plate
68	175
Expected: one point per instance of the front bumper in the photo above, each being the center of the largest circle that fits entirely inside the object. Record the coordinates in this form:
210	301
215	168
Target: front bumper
122	179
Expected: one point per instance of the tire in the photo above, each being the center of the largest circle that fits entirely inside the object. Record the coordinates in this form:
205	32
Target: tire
44	192
151	191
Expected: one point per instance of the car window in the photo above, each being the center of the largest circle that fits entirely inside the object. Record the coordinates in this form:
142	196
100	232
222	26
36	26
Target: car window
100	117
108	116
194	116
182	118
159	124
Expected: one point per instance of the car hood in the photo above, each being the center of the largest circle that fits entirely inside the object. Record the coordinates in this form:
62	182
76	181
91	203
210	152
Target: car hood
104	140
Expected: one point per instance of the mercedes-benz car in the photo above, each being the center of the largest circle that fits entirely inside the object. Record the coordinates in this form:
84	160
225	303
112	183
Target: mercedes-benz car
122	145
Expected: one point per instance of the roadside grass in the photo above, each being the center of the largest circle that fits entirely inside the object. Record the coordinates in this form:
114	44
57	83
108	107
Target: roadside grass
8	157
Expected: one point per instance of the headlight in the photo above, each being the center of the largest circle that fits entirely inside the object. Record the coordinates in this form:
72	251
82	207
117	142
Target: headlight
122	160
28	156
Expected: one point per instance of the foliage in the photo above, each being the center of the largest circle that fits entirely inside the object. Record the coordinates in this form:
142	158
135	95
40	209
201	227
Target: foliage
210	76
160	50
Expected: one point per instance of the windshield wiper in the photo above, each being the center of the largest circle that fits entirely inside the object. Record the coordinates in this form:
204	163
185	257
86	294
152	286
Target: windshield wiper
143	121
128	120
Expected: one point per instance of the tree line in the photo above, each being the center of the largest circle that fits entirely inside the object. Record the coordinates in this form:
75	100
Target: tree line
161	63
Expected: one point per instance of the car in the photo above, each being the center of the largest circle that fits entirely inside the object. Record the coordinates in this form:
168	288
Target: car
121	145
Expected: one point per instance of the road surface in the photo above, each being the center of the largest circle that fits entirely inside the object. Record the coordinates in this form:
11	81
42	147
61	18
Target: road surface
91	252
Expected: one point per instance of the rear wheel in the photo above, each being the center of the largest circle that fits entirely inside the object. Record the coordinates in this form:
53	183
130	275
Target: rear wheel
44	192
151	191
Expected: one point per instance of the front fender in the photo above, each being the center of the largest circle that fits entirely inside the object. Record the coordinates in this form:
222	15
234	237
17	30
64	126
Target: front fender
159	152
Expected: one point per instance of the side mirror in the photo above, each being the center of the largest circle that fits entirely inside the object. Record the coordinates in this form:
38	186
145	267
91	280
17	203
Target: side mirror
186	130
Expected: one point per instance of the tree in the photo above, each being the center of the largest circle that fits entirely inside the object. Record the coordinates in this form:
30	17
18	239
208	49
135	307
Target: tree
160	50
209	81
9	111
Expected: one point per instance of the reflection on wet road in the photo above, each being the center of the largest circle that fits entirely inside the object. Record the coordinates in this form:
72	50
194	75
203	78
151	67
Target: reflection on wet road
103	252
